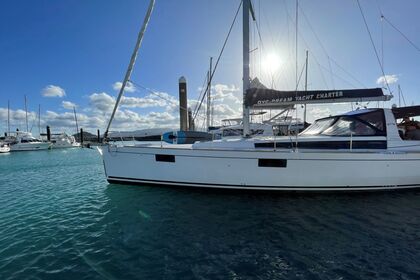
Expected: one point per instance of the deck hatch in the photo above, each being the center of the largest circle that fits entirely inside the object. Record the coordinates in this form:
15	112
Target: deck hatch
271	162
165	158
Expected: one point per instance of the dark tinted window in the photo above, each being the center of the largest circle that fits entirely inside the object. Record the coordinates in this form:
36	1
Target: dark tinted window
165	158
270	162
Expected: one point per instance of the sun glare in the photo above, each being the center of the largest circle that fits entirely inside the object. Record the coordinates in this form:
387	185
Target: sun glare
271	63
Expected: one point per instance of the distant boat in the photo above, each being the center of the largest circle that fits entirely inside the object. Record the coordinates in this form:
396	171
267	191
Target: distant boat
24	141
64	140
4	148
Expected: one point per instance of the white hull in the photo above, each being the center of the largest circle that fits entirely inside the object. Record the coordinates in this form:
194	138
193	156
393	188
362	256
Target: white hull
233	169
4	149
29	147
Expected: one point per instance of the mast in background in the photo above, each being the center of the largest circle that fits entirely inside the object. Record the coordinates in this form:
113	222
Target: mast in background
306	85
8	117
245	57
26	112
75	119
39	119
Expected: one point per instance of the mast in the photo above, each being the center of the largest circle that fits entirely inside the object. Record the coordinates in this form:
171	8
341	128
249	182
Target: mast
8	117
209	95
26	113
131	64
399	95
245	53
39	119
75	119
306	85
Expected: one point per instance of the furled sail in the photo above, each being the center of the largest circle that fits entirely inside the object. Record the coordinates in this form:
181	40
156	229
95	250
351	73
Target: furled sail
272	99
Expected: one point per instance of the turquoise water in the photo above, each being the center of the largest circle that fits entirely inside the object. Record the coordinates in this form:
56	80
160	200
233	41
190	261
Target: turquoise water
60	219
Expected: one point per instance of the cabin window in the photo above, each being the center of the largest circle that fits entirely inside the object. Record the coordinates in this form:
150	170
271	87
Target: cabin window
165	158
347	126
364	124
270	162
317	127
375	119
232	132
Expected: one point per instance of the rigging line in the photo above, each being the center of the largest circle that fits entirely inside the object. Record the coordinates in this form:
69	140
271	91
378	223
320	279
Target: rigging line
158	95
296	44
201	92
382	35
348	73
319	42
342	79
402	34
306	44
263	50
402	95
373	45
260	43
220	54
297	83
300	77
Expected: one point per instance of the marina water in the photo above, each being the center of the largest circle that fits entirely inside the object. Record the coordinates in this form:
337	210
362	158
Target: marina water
60	219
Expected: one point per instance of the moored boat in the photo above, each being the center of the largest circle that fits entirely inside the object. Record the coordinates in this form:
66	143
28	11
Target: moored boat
63	140
4	148
24	141
358	151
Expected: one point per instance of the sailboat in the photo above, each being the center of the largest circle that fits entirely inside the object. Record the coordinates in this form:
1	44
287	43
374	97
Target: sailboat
358	151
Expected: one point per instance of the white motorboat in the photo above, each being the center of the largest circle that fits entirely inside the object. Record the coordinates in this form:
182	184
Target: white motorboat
64	140
24	141
358	151
4	148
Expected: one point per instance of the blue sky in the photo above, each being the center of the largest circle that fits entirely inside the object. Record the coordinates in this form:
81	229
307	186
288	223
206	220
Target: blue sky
82	48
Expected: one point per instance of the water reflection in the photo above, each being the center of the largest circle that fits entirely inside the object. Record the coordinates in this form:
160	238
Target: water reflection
184	233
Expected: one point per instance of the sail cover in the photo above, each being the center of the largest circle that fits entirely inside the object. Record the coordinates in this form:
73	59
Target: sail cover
269	98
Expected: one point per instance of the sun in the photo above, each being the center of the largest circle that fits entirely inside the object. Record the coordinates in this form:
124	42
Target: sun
271	63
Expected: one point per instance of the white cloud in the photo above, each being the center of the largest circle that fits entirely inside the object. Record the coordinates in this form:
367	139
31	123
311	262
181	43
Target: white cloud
137	102
53	91
391	79
162	112
102	102
68	105
128	88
